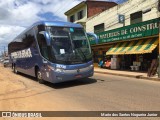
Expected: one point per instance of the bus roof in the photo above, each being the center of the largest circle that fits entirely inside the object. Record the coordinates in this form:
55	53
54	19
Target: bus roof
56	23
51	23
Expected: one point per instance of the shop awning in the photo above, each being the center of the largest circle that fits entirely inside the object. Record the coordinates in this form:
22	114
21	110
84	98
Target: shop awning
134	47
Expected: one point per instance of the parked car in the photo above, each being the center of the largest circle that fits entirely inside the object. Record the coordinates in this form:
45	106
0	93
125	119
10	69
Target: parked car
1	60
6	62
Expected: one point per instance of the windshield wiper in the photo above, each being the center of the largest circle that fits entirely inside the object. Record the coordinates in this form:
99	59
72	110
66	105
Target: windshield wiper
72	58
82	54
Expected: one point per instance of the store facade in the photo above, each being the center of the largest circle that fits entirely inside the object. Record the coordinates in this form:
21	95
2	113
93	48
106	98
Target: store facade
132	47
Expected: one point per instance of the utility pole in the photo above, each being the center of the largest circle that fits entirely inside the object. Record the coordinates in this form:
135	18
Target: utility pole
159	38
159	49
4	51
1	54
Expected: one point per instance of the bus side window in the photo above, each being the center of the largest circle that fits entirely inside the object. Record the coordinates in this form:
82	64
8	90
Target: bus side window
34	45
43	46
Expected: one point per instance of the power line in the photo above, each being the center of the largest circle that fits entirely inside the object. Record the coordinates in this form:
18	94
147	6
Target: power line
61	9
115	20
123	13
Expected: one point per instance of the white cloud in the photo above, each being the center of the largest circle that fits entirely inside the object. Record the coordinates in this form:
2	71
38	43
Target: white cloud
16	15
7	33
4	14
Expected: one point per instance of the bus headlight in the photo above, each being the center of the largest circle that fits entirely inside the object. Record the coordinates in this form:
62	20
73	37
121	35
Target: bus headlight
59	70
91	66
55	69
51	68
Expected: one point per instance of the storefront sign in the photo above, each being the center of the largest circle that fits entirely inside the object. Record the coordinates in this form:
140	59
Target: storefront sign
143	29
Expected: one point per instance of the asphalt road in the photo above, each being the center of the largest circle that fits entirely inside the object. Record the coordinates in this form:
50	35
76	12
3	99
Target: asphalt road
99	93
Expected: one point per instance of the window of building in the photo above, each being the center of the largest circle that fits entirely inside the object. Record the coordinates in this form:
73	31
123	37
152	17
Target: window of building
99	28
80	15
136	17
72	18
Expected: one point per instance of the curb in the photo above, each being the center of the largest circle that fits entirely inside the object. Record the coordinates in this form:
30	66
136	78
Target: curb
132	76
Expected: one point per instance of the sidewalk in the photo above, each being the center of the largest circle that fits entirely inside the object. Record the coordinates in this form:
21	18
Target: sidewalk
133	74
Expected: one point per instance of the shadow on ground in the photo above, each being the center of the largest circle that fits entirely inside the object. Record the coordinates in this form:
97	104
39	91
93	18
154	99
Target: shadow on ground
73	83
62	85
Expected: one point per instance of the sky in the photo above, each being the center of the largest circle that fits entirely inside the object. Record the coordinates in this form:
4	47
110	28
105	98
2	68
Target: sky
17	15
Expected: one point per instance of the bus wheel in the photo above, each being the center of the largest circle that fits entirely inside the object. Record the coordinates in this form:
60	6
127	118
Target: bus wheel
15	69
39	77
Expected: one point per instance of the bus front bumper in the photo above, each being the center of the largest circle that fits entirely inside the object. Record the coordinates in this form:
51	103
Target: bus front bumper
68	75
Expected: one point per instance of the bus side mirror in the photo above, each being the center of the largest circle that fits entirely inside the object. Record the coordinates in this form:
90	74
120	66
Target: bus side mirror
44	61
46	36
93	37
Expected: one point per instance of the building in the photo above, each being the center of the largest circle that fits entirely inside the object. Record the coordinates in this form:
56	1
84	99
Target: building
128	34
134	11
81	12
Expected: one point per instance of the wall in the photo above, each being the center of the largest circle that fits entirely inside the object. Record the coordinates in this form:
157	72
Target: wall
95	7
110	17
84	8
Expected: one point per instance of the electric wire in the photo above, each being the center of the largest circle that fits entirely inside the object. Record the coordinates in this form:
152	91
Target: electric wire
90	29
61	9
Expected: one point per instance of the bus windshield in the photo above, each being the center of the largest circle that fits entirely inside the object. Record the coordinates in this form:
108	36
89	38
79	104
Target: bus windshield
69	45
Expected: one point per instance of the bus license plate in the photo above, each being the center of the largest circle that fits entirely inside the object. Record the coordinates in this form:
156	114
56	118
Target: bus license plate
78	76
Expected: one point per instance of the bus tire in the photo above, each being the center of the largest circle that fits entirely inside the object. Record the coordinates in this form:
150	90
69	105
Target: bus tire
15	69
39	76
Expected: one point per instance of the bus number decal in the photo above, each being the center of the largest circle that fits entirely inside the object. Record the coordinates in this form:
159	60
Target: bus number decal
61	66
